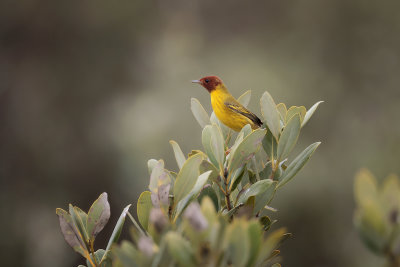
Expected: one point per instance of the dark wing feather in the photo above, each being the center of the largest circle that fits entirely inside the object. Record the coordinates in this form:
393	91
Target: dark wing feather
238	108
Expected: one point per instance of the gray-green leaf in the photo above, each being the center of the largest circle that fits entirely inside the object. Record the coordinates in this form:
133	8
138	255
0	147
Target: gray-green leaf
270	145
244	99
199	113
298	163
70	232
255	189
179	156
206	137
116	232
194	192
289	136
187	176
246	150
217	144
98	216
180	249
270	114
310	112
264	198
144	206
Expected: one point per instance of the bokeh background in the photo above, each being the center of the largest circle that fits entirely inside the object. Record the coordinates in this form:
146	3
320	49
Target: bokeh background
90	90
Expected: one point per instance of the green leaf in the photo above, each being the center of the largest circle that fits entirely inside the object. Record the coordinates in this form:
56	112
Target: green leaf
206	138
81	214
255	189
179	156
255	234
289	137
226	131
144	206
187	177
237	177
217	145
180	249
246	130
267	171
79	217
207	166
372	226
199	113
265	198
270	114
246	150
298	163
239	139
127	254
295	110
209	192
281	107
365	187
244	99
265	222
99	254
194	192
269	244
310	112
151	163
98	216
252	176
208	209
390	194
116	232
237	243
70	232
270	145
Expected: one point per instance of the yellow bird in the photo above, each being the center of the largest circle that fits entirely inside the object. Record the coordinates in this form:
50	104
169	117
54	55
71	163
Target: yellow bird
227	109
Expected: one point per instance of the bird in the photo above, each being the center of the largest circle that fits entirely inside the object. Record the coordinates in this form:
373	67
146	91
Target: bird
227	109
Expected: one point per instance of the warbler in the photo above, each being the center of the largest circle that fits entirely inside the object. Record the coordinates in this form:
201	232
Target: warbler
227	109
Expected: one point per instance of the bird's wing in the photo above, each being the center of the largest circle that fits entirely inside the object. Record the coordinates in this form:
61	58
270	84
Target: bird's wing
238	108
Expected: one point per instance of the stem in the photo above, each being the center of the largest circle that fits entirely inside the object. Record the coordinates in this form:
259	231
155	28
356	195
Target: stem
87	248
227	191
87	256
92	252
274	169
170	208
393	260
220	187
228	202
253	160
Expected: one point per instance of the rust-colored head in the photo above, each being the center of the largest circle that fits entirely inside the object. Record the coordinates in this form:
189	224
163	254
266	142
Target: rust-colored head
209	82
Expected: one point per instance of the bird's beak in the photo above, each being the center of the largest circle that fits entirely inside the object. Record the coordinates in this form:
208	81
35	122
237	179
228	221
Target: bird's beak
196	81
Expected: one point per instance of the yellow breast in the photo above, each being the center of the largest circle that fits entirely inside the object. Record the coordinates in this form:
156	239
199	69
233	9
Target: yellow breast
228	117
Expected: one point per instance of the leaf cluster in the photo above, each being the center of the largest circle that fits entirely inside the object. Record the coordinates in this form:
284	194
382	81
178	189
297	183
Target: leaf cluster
376	217
234	178
80	230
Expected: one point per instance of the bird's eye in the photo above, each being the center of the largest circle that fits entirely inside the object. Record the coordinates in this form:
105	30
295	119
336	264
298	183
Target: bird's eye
207	80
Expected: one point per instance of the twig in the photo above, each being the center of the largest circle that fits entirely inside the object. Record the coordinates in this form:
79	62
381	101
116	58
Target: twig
227	191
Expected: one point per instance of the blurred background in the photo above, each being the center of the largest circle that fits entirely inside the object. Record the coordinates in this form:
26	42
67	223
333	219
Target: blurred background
90	90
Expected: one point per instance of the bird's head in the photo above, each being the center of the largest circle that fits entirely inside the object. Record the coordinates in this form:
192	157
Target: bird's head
211	83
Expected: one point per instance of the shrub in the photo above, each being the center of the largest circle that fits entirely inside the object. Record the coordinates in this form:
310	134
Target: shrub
215	210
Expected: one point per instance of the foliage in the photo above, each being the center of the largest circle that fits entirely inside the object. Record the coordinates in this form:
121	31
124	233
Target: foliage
215	210
376	217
